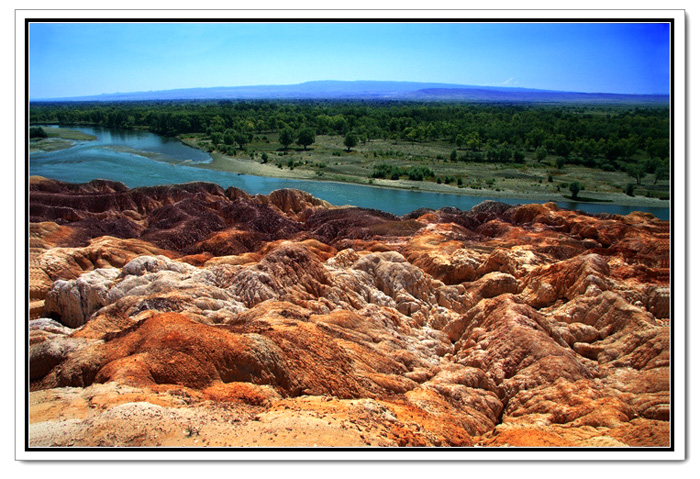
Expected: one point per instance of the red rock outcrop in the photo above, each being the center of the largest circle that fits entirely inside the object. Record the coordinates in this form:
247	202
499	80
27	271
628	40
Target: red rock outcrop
226	319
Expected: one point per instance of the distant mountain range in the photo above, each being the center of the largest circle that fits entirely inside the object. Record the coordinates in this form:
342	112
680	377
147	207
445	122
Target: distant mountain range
373	90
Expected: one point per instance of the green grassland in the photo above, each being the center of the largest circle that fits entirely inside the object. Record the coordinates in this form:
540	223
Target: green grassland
57	139
68	134
328	159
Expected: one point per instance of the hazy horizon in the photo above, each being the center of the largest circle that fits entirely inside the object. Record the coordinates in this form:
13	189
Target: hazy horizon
336	81
81	59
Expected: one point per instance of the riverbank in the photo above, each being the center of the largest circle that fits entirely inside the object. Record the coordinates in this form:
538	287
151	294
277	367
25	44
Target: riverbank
516	185
58	139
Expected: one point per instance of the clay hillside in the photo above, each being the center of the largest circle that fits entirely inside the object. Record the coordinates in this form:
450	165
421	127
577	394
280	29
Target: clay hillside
189	315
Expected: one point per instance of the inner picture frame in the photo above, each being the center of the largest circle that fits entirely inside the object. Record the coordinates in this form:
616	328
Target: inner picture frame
673	450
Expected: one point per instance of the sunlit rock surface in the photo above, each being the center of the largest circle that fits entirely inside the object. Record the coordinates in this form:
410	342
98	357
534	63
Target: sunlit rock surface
190	315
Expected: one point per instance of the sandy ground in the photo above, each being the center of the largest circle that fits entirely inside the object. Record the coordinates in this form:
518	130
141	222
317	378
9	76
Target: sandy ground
50	144
109	415
246	166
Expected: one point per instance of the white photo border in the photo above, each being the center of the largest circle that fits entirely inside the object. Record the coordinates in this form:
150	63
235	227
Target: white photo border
678	216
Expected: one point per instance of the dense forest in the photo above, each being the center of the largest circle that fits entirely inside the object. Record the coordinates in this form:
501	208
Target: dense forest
609	137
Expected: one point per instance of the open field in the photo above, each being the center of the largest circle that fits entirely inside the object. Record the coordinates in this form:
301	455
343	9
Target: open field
68	134
329	160
58	139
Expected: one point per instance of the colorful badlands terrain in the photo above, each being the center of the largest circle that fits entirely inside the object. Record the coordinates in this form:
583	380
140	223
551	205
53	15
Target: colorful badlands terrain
189	315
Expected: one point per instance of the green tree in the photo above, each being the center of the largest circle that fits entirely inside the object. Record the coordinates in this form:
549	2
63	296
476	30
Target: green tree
613	150
540	154
658	148
587	150
535	138
460	140
217	124
661	171
651	164
229	137
560	162
286	137
217	138
418	173
473	141
637	172
37	132
562	147
410	134
242	139
350	141
340	125
574	188
306	137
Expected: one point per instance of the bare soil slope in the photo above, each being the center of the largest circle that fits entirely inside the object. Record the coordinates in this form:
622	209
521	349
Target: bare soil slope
189	315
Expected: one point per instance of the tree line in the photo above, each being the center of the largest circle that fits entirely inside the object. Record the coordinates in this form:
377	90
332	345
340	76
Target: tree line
610	137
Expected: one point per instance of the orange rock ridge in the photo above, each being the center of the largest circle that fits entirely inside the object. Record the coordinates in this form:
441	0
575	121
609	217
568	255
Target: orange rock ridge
190	315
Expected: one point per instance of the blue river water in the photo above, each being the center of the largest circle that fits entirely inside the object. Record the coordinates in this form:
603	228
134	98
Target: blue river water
139	158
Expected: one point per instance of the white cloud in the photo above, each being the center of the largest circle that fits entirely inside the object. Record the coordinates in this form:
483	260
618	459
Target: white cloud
509	82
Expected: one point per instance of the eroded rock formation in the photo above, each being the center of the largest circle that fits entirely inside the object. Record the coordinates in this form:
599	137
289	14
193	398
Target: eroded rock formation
190	315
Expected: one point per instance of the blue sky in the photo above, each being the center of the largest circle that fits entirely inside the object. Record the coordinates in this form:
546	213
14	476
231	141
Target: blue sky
73	59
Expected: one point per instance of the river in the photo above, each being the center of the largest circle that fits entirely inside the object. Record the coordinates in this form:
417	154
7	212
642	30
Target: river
140	158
